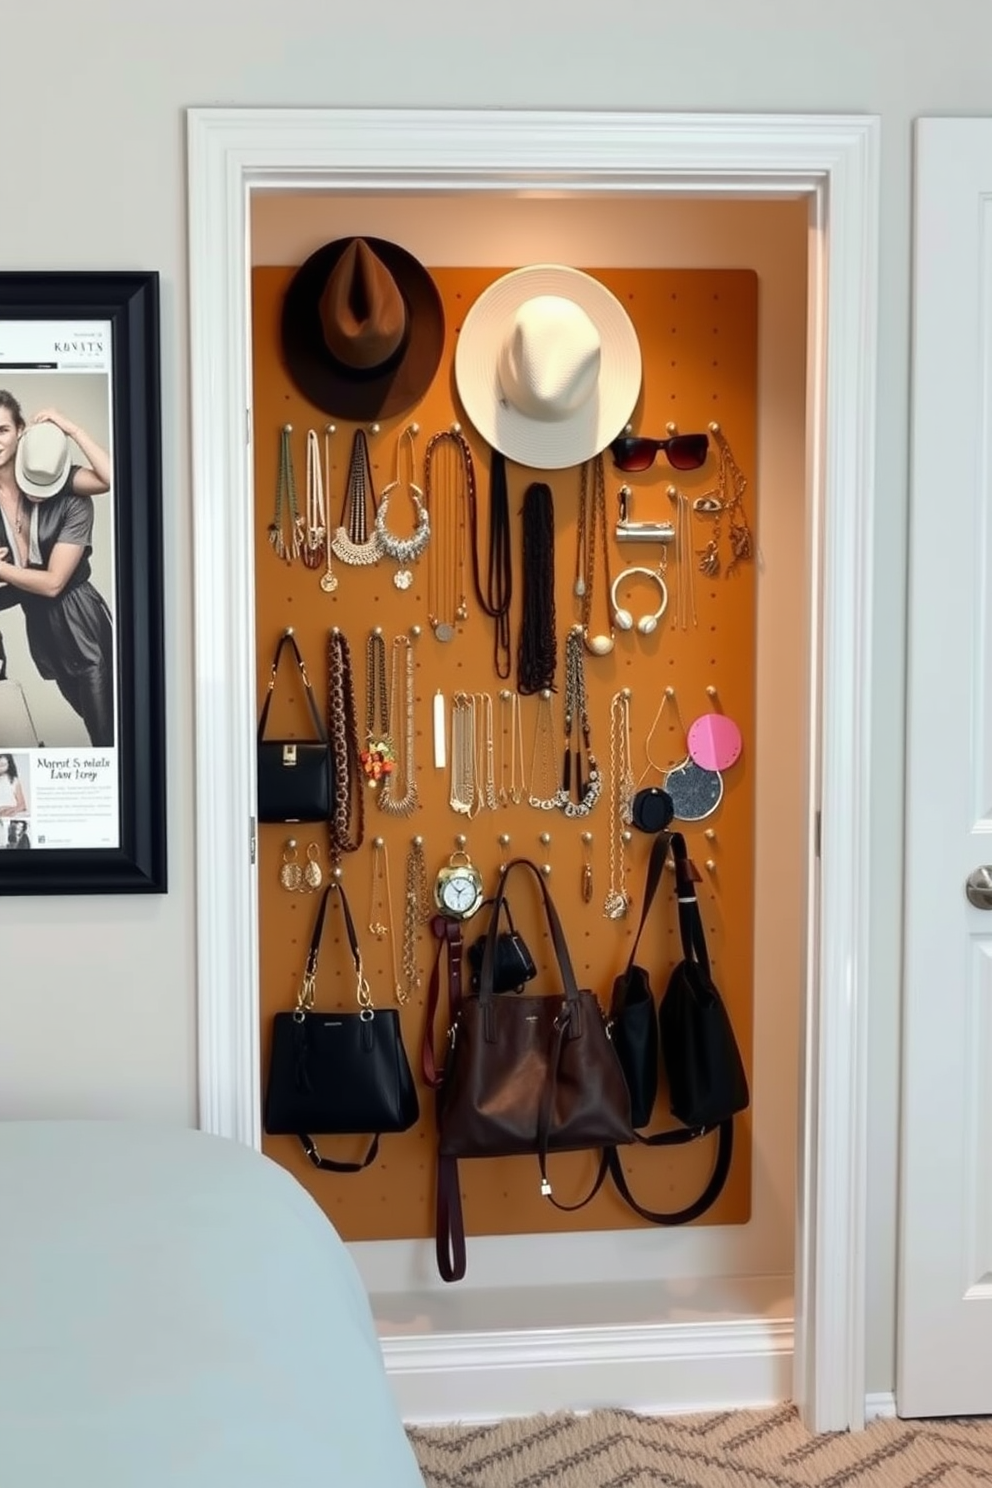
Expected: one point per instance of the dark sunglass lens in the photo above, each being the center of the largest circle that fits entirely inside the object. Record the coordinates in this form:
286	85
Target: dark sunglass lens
687	451
630	454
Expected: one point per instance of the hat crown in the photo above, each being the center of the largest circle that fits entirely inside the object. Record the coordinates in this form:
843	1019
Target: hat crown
362	312
549	362
42	455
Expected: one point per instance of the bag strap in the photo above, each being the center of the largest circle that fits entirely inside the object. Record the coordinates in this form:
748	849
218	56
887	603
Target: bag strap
448	933
449	1222
288	638
713	1189
656	864
363	996
329	1165
488	966
690	920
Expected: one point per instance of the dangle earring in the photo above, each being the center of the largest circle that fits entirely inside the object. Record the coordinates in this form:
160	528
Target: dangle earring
290	874
312	875
586	881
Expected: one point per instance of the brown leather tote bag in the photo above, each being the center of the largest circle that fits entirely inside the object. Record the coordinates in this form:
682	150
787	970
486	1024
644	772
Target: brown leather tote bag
531	1074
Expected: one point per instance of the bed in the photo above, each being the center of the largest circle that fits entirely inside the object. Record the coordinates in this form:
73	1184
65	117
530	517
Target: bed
176	1312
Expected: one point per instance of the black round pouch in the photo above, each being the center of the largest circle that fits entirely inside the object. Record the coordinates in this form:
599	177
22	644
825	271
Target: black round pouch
652	809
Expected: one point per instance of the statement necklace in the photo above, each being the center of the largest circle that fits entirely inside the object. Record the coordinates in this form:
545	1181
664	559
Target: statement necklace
404	550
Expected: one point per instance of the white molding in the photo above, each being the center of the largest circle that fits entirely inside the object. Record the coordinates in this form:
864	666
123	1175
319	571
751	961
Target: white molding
660	1369
833	159
880	1405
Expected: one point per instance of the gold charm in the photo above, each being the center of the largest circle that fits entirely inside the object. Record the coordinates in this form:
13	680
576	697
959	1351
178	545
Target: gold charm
290	874
313	877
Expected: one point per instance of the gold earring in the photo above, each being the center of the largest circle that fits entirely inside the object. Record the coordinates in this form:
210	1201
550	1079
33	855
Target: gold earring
290	874
311	872
587	868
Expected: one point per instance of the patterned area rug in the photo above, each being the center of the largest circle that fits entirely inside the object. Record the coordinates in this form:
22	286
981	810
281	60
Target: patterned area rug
735	1449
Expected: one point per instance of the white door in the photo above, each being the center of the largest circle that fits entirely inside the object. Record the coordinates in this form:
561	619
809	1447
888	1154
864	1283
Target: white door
944	1360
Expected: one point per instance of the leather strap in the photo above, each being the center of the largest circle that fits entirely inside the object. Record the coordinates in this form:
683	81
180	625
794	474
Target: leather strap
656	864
449	1225
690	921
712	1191
330	1166
289	639
448	934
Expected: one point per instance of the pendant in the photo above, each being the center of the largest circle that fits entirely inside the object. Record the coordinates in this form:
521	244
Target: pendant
377	761
443	631
328	583
616	906
402	578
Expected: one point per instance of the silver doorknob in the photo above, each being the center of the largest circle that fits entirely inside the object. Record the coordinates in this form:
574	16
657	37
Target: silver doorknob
979	888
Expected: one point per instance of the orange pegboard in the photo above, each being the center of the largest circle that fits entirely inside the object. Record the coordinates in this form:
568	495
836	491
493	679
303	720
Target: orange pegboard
698	335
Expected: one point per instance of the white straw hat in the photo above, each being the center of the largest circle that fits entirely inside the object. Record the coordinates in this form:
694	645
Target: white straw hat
41	464
548	366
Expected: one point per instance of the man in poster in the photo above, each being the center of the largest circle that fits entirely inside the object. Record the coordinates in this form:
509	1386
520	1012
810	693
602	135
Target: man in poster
46	527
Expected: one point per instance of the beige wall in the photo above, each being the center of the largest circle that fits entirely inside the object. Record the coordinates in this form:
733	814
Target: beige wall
92	175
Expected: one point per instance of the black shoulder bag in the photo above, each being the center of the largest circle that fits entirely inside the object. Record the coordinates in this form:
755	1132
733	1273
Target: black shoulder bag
334	1072
295	777
706	1077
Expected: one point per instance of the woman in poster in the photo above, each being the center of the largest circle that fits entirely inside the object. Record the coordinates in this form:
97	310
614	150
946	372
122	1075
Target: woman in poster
12	802
46	527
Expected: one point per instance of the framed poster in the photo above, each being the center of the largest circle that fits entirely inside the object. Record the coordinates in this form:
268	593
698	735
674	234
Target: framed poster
82	768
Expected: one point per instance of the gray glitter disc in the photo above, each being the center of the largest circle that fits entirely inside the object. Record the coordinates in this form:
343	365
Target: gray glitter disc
695	792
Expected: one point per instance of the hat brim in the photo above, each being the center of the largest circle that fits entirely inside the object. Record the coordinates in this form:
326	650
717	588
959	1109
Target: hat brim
31	488
341	390
552	444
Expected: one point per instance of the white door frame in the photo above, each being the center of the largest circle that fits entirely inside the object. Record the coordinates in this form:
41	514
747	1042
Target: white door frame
833	161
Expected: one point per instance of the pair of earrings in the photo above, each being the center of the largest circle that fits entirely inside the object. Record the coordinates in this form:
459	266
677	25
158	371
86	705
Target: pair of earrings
297	878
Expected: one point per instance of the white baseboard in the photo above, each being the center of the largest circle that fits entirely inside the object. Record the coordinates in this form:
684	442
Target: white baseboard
659	1367
881	1403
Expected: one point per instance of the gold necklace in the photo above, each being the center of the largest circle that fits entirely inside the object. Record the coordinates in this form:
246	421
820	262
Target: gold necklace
592	524
449	489
392	799
417	910
543	776
381	904
511	741
462	792
617	901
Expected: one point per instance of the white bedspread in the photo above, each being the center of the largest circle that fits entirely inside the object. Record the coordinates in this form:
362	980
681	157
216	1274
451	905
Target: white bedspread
176	1312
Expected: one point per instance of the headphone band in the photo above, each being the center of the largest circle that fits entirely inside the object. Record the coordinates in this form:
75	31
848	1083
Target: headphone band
623	619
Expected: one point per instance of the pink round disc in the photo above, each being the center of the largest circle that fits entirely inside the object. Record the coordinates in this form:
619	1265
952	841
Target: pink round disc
714	741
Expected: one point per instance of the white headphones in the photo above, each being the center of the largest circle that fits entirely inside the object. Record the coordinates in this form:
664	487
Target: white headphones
623	619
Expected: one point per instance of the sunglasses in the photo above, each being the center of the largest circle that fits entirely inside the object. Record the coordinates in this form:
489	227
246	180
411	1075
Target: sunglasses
682	451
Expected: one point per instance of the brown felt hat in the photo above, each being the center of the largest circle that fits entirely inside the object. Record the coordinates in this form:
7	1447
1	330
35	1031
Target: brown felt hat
362	329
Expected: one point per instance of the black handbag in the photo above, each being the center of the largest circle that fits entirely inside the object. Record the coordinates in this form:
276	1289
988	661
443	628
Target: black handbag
706	1078
338	1073
295	777
513	964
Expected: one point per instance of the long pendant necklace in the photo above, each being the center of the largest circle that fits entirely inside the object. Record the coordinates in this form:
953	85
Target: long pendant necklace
617	901
356	541
287	548
544	786
378	756
381	922
485	764
449	490
537	645
315	532
588	787
462	792
398	796
592	528
494	599
404	550
328	579
511	746
347	826
417	910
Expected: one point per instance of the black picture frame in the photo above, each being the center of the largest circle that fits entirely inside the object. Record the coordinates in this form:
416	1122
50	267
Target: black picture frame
128	301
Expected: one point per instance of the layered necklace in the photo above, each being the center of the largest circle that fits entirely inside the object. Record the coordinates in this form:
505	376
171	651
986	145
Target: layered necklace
283	545
404	550
347	825
356	541
617	901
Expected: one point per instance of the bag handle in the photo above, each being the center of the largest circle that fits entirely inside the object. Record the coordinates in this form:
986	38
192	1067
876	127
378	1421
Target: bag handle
488	967
288	638
690	920
656	864
447	933
305	997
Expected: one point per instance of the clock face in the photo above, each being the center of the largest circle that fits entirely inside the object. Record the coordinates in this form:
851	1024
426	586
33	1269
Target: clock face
459	894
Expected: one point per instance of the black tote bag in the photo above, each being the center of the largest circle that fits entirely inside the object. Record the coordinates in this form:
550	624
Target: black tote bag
338	1073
